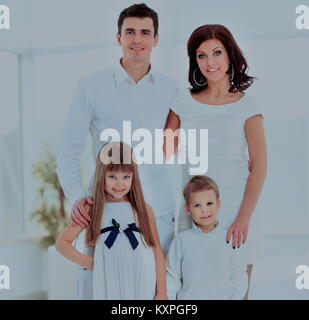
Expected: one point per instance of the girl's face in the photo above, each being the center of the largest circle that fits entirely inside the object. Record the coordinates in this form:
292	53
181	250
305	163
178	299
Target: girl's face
118	184
213	60
203	208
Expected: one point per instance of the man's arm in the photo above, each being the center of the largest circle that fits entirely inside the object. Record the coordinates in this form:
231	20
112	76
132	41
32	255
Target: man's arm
72	143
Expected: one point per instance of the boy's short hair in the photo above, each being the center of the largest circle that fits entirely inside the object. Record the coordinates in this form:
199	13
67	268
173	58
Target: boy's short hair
199	183
139	10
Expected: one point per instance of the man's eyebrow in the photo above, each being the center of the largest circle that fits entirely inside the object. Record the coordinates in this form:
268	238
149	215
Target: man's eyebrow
143	30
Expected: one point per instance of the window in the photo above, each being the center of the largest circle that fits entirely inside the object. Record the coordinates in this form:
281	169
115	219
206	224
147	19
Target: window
11	219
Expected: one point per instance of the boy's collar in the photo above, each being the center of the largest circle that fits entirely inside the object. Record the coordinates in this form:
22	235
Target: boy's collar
198	229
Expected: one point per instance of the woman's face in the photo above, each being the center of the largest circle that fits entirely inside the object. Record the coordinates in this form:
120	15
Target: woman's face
213	60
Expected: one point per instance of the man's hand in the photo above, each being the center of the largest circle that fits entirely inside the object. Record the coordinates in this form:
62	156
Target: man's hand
81	211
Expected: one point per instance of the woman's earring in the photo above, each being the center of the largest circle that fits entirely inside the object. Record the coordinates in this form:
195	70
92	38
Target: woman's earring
202	82
232	74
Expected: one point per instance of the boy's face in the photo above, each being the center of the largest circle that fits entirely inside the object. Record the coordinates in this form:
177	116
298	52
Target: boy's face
203	208
137	39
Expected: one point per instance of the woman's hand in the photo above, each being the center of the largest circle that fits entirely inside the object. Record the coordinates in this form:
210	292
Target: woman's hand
161	296
239	231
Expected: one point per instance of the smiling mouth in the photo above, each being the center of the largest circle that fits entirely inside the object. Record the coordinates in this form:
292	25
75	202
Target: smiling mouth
213	70
207	217
119	191
137	49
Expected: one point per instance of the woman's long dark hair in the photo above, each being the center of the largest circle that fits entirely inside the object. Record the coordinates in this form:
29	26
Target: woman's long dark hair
241	80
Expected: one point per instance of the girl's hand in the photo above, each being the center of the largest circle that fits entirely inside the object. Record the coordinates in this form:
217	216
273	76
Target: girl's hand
161	296
239	231
88	263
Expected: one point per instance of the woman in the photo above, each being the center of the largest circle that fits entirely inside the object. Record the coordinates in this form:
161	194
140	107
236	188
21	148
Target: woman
217	102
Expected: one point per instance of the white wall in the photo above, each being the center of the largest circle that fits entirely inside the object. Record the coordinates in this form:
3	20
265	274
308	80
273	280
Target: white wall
61	41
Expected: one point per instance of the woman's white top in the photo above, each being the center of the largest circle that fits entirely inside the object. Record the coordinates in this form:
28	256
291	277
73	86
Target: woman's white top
227	155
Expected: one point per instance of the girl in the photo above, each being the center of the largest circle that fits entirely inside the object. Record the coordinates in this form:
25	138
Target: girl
216	101
128	262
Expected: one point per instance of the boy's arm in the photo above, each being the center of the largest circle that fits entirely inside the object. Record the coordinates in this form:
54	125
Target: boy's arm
238	276
159	258
71	145
64	246
174	269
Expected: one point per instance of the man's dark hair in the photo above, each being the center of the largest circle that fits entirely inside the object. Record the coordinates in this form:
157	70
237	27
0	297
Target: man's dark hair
139	10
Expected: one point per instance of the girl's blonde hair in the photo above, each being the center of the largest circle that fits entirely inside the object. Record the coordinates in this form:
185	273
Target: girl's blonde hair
117	156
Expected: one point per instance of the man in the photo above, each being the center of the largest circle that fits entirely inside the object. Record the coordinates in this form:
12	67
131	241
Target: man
129	91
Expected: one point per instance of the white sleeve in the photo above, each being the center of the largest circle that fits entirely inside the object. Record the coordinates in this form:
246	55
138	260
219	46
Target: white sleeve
174	269
238	276
174	104
252	108
71	145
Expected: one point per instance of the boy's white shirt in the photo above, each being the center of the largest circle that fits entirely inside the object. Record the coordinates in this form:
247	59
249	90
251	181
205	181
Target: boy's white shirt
203	266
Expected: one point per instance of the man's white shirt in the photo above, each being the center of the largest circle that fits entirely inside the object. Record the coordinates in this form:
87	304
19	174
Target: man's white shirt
104	100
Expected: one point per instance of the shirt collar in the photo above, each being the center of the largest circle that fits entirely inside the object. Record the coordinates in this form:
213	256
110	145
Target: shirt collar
195	228
121	75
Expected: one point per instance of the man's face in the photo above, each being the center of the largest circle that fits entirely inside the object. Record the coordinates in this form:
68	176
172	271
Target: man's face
137	39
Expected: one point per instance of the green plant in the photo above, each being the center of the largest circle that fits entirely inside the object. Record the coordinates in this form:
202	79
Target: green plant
51	214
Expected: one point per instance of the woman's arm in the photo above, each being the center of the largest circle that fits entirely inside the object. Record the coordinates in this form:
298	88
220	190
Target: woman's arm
171	134
64	246
159	259
255	137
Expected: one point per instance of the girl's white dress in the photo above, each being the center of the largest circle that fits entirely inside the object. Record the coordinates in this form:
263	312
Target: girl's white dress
121	272
227	157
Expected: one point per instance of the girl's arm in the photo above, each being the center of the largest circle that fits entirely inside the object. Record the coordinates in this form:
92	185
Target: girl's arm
255	137
159	259
64	246
171	134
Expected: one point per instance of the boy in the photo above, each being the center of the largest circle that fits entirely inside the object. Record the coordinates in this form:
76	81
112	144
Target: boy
200	264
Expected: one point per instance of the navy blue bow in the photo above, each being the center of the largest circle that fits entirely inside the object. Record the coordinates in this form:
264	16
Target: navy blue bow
114	231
